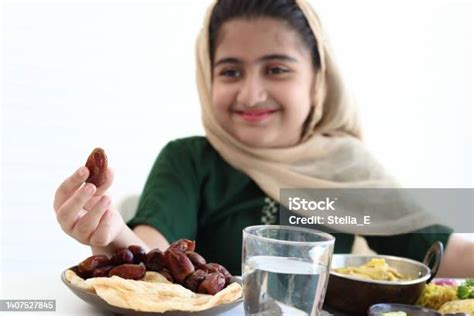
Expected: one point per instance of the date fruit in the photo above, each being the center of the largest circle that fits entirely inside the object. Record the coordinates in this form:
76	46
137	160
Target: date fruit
122	256
102	272
183	245
215	267
195	258
129	271
139	254
178	264
88	266
155	260
213	283
166	274
97	165
193	281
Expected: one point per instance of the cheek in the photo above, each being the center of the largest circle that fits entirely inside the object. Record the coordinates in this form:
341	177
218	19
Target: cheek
221	97
297	102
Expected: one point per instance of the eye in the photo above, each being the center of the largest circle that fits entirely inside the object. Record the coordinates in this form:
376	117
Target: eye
232	73
277	70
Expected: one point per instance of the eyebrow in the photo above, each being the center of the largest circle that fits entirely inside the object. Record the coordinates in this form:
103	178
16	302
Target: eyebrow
233	60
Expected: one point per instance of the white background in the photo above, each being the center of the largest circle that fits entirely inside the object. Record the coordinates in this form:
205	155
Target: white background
120	75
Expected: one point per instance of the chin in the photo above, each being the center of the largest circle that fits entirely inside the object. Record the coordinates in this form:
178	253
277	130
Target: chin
257	141
256	144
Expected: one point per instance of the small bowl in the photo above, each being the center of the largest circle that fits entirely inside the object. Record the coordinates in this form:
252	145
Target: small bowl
355	295
379	309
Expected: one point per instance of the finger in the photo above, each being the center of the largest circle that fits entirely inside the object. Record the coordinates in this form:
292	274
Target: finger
92	202
109	178
109	226
69	186
67	214
86	225
100	190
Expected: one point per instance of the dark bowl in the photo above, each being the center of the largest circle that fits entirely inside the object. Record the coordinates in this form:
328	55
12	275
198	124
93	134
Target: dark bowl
355	295
379	309
98	302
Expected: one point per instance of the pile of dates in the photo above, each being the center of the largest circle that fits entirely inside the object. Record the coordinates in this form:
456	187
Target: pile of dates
179	264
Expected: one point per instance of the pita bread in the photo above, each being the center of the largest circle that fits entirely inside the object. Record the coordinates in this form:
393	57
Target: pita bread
153	294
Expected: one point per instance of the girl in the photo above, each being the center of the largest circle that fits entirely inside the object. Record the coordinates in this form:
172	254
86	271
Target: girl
276	115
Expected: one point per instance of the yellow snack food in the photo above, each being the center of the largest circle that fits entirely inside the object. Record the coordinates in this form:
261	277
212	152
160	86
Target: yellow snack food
375	269
433	296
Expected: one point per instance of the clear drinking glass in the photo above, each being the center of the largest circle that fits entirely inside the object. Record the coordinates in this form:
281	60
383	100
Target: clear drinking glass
285	269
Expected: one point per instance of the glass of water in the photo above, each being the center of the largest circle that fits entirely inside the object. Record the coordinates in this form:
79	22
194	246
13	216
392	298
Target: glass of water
285	269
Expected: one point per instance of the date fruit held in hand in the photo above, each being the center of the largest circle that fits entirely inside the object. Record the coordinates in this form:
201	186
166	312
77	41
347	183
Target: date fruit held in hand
97	165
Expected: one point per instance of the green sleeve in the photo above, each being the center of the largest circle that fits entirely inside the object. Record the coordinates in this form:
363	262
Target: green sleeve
413	245
169	201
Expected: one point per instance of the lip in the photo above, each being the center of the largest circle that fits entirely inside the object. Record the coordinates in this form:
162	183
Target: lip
256	115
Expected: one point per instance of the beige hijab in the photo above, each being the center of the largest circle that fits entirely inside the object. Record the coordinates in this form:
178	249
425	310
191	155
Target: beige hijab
330	155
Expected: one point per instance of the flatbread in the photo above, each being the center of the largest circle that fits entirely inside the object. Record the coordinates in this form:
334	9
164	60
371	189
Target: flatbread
153	294
79	282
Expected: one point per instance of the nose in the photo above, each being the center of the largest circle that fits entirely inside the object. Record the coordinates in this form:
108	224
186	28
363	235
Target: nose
252	92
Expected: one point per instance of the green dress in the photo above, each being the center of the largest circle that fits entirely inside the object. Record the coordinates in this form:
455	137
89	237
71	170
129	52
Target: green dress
191	192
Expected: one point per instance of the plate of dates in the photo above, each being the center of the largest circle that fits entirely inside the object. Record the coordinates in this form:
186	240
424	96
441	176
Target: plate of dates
175	282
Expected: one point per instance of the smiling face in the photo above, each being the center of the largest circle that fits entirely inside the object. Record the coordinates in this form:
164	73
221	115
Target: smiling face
262	82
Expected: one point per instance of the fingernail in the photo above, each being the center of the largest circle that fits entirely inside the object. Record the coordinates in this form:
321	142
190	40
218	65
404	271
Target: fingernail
81	171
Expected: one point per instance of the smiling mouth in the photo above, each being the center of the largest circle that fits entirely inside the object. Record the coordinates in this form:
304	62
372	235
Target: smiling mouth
255	115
